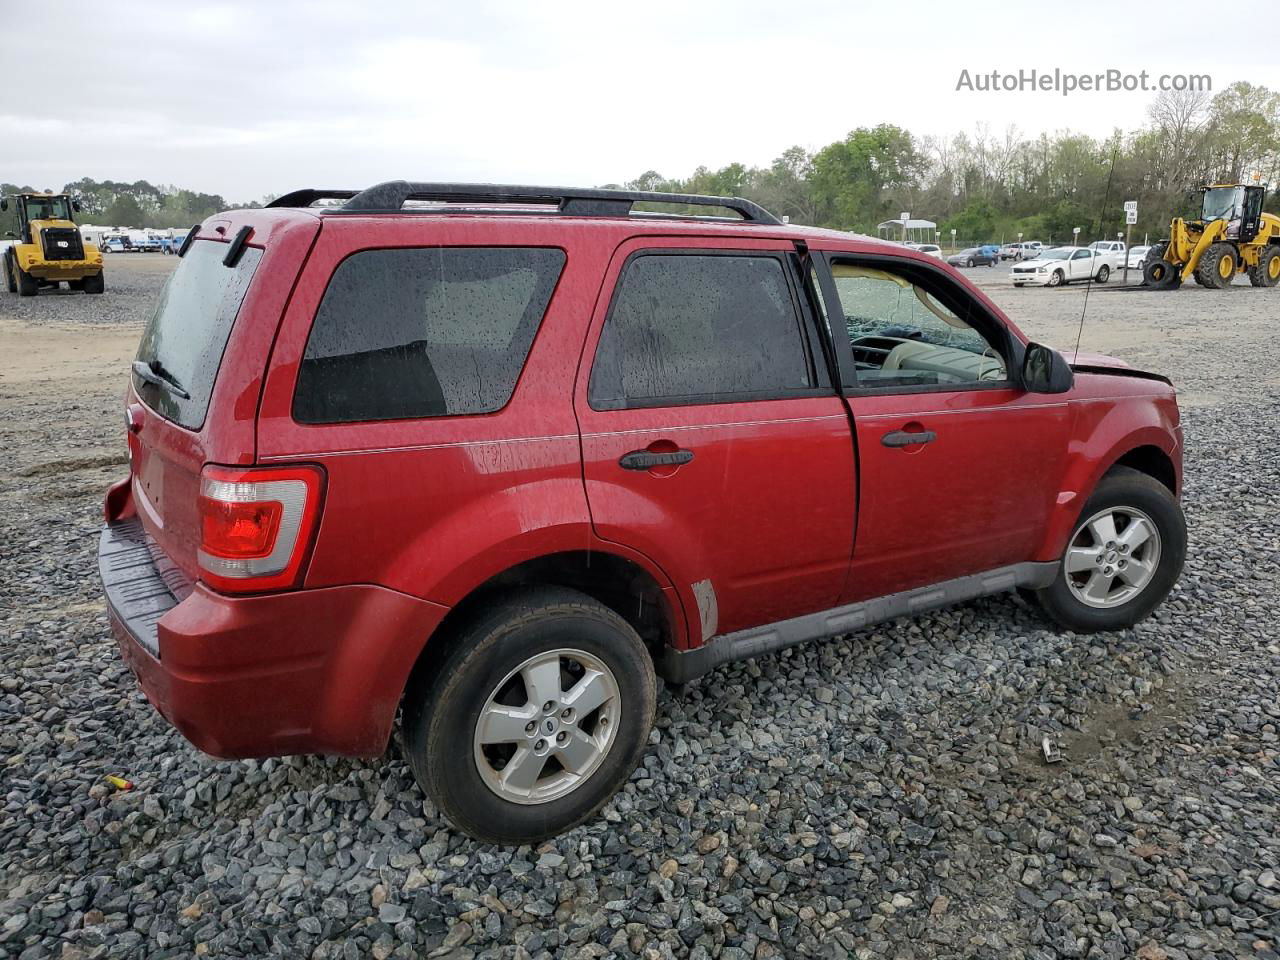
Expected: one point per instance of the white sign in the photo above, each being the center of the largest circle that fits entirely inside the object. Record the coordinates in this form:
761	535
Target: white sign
1131	206
906	215
1131	217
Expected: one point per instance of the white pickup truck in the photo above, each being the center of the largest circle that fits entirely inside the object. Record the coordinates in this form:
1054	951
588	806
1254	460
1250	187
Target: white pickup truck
1111	252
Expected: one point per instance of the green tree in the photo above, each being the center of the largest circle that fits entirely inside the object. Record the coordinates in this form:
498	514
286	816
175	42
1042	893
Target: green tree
124	212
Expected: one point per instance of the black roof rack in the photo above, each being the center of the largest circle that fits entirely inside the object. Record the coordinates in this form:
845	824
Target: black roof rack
390	197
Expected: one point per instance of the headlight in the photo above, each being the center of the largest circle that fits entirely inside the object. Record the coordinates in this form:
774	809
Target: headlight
1042	269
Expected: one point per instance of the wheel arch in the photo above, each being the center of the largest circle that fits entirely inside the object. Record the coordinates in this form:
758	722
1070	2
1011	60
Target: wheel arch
1151	450
621	583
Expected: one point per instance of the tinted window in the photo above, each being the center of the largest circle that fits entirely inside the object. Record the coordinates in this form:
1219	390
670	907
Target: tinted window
423	333
188	332
691	327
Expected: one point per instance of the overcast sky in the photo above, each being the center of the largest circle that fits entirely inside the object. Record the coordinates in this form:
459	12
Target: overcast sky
249	99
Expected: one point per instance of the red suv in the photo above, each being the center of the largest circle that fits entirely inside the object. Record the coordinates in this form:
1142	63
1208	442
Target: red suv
490	456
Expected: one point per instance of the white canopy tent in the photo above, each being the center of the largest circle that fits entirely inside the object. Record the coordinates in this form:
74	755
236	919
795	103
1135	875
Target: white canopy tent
919	231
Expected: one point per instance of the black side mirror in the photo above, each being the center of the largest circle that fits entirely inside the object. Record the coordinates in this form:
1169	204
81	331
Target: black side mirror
75	206
1045	370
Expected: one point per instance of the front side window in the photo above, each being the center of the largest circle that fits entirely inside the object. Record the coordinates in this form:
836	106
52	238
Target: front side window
903	336
424	332
687	328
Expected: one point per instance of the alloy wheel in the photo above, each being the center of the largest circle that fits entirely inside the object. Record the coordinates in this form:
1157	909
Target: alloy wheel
1112	557
547	726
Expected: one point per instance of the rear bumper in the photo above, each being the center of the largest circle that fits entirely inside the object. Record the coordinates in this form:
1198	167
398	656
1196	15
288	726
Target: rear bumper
304	671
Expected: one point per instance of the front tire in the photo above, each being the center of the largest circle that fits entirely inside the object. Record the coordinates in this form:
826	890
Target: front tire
1217	266
1057	279
10	281
535	719
1123	558
969	262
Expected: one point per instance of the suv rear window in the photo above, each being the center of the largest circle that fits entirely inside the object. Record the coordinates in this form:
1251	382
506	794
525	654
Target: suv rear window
424	332
188	332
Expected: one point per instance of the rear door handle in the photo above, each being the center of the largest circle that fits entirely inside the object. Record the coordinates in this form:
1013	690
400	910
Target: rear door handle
648	459
902	438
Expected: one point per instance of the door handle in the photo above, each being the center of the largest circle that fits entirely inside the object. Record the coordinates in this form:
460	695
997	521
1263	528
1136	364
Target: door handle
648	459
902	438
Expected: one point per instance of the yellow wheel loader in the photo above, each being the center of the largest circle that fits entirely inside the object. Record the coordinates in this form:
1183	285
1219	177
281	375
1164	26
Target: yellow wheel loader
1232	236
48	248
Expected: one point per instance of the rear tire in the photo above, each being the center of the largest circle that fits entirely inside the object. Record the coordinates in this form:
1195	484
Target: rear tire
1217	266
94	284
28	286
1099	584
473	771
1266	273
1104	274
9	267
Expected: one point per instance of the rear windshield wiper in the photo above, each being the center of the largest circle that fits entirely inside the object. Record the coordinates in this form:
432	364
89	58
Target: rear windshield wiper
155	373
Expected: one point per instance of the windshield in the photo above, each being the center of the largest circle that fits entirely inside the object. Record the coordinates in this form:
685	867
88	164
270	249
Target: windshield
1221	202
1054	255
187	334
48	208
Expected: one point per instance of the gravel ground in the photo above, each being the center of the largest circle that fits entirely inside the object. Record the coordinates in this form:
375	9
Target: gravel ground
878	795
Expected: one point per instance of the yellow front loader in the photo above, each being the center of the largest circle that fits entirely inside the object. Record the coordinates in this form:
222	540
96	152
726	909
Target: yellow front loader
48	248
1232	236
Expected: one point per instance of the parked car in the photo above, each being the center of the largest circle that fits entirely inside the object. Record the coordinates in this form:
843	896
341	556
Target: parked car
930	248
1060	265
116	243
173	243
394	467
1138	257
972	257
1020	251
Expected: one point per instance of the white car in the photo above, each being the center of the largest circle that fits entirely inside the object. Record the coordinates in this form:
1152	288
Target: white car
1061	265
1138	257
930	248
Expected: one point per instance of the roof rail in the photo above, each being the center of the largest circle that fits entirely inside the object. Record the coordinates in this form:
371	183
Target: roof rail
390	197
308	196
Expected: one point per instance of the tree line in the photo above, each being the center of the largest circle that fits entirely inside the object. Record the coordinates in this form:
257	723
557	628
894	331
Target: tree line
140	204
990	187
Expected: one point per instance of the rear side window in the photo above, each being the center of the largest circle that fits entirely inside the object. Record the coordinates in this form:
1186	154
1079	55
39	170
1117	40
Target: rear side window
187	334
689	328
426	332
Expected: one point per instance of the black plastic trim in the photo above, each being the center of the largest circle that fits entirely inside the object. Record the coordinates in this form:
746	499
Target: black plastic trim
391	196
237	246
140	584
186	242
681	666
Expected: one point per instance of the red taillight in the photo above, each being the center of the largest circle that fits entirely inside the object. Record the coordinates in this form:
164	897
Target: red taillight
239	529
256	525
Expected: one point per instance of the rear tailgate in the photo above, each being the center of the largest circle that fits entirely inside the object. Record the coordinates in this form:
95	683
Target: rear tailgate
204	355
